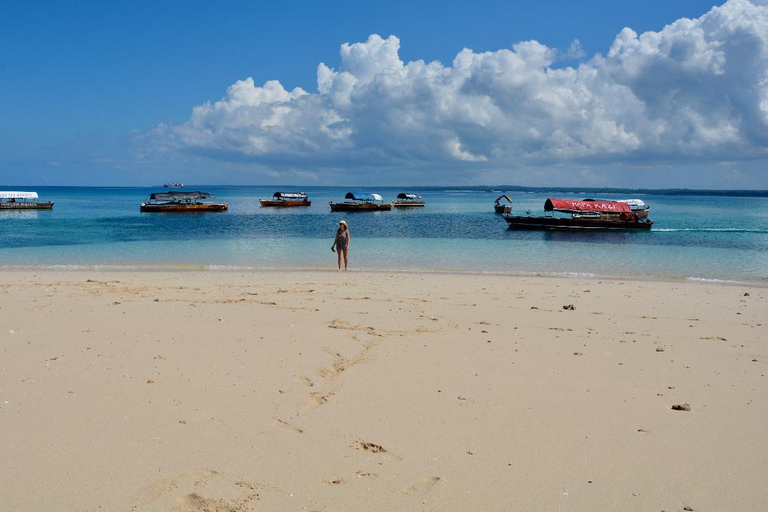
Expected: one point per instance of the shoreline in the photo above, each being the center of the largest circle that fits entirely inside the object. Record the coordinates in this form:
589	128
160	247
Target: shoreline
171	268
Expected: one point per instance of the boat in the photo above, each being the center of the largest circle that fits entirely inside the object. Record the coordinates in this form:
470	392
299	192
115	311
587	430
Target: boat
286	199
408	201
580	214
13	200
174	184
502	208
636	205
358	202
182	202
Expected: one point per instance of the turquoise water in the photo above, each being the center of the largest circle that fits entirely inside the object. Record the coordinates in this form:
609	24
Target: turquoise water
694	236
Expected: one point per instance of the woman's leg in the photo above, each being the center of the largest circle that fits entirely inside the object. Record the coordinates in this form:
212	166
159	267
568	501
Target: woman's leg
338	252
346	250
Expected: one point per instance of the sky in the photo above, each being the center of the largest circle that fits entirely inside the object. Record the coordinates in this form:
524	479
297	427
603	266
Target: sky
653	94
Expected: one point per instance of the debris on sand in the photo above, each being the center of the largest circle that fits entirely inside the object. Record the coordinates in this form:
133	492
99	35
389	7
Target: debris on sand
370	447
681	407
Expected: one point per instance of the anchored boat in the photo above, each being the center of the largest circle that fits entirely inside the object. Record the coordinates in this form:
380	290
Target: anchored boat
286	199
502	208
181	202
357	202
576	214
12	200
408	201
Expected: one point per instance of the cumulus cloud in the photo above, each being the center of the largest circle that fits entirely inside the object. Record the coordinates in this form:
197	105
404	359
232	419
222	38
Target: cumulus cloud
697	89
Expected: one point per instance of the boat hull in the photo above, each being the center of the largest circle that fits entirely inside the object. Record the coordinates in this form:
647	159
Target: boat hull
360	207
283	203
184	208
25	205
405	204
502	208
539	223
643	214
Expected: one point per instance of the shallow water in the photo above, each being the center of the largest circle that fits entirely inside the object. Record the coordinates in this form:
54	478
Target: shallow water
694	236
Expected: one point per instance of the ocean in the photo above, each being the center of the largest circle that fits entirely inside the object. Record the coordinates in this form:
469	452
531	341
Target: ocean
717	236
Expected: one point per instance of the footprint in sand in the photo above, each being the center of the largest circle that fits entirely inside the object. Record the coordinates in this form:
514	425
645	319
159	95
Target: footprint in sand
196	503
287	426
341	324
339	480
167	485
426	485
321	398
305	381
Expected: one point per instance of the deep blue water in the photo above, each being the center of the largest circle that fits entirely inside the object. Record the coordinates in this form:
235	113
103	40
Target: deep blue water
698	236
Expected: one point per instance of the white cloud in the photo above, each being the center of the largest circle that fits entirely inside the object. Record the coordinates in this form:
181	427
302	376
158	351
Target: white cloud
697	89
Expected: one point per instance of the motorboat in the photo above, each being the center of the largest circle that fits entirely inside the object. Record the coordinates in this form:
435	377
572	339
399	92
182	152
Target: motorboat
13	200
408	201
286	199
581	214
182	202
360	202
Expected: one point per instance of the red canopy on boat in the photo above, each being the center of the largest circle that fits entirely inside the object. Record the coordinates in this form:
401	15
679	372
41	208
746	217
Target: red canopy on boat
575	205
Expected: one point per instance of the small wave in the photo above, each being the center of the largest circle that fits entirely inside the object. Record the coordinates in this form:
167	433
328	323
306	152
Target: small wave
714	281
709	230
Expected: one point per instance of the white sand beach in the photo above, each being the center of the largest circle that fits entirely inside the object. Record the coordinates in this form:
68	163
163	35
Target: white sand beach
319	391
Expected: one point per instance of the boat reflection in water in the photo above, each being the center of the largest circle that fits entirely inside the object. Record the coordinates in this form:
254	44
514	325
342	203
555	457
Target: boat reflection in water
20	214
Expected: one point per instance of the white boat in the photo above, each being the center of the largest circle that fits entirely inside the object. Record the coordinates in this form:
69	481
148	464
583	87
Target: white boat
13	200
408	201
637	206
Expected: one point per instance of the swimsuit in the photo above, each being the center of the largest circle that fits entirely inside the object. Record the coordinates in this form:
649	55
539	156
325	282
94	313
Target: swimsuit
341	241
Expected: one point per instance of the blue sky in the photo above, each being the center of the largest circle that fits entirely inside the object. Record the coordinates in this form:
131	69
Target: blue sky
102	93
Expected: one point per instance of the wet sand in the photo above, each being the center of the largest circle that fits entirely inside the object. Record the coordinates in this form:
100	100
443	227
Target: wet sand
318	391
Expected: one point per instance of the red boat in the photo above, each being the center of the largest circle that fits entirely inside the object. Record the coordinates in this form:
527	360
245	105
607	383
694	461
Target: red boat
579	214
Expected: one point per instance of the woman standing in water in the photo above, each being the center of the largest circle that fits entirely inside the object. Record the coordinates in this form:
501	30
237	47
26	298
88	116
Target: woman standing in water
341	243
